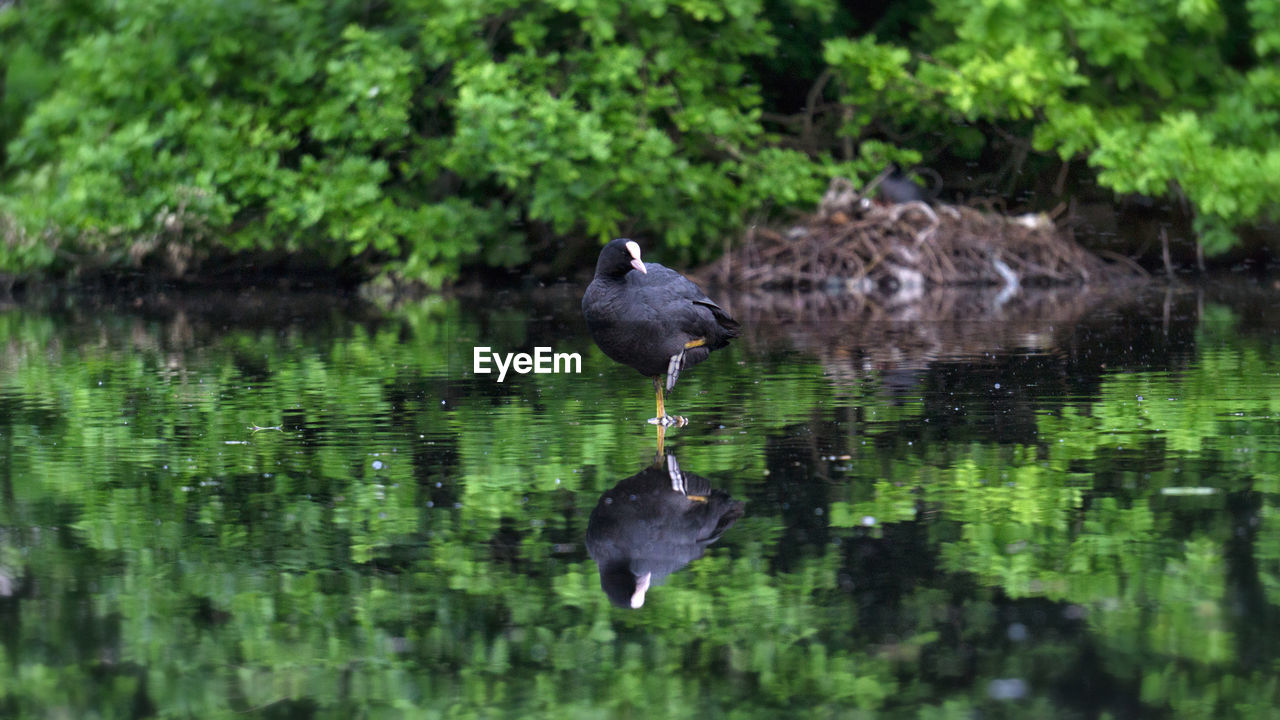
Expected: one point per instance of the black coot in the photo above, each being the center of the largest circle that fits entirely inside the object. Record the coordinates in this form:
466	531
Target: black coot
652	524
652	318
898	187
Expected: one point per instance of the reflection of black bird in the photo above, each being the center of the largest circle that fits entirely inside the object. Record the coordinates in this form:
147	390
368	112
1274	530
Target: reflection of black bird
654	319
652	524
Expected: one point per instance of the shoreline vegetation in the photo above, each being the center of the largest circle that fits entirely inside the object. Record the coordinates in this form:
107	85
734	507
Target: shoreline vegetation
409	146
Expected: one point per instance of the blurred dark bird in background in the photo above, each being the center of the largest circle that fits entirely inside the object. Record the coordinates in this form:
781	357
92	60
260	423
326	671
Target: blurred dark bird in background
896	186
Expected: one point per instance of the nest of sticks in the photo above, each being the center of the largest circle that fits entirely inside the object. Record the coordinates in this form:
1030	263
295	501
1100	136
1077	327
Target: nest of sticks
853	244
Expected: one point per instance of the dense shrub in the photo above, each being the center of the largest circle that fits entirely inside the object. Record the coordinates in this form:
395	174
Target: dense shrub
419	136
423	134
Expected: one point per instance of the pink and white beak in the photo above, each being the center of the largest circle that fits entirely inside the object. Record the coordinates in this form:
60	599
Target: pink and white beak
633	247
642	586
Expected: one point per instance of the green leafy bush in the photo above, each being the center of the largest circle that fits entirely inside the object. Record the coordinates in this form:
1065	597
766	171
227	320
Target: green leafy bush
1177	100
421	134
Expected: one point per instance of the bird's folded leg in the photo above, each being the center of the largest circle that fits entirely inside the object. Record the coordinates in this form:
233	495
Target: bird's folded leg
673	369
673	472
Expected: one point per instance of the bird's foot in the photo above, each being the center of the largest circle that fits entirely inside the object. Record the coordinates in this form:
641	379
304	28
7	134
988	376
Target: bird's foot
669	421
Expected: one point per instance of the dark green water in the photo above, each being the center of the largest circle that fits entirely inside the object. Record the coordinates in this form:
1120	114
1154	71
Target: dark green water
1068	514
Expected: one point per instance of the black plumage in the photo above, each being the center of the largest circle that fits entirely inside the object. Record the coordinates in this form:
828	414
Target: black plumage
651	317
897	187
894	186
652	524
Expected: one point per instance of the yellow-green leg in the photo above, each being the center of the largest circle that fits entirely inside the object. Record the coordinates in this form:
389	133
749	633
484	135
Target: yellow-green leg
663	419
657	389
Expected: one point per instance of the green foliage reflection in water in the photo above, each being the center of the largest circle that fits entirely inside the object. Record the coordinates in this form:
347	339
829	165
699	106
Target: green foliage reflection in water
411	540
1128	507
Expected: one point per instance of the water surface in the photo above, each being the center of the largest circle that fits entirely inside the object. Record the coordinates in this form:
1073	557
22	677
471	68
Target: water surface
244	505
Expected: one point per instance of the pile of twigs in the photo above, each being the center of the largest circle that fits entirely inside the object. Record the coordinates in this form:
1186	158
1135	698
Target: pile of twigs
855	245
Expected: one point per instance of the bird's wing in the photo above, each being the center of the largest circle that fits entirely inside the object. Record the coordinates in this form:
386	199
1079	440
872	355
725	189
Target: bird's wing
672	283
681	288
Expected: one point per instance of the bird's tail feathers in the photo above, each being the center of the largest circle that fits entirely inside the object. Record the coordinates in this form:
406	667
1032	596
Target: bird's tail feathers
727	512
730	328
